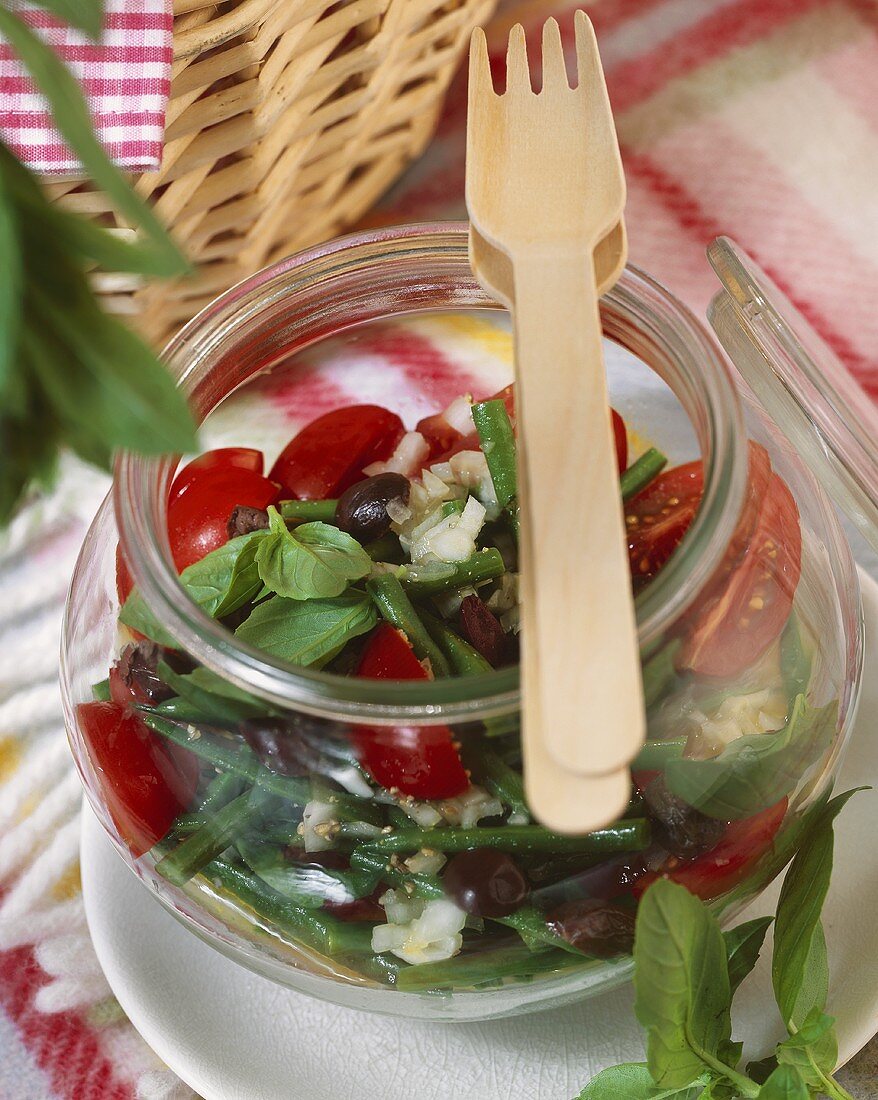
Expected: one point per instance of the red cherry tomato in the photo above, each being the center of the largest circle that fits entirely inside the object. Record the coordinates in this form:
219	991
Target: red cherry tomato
145	785
723	867
328	456
198	517
222	458
753	596
658	517
124	583
439	434
420	761
620	438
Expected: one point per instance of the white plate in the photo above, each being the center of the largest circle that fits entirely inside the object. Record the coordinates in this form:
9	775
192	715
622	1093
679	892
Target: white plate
232	1035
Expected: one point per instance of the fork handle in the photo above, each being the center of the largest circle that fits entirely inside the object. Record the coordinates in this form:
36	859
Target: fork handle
580	654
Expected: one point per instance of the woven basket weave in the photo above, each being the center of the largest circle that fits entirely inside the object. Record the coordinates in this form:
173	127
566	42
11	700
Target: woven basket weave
286	120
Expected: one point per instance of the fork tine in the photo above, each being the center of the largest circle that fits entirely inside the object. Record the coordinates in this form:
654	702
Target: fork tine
480	82
590	73
554	66
517	71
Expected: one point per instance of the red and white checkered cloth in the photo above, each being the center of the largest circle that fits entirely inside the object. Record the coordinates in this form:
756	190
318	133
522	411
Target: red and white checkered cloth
126	78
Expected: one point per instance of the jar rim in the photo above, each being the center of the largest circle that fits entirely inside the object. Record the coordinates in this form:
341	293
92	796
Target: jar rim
637	307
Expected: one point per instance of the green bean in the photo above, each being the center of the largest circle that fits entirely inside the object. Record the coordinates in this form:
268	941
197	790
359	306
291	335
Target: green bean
625	836
659	673
222	789
101	692
241	761
526	921
378	866
498	444
640	473
513	516
306	511
421	581
463	658
501	780
483	966
312	927
654	755
386	548
211	839
453	507
395	606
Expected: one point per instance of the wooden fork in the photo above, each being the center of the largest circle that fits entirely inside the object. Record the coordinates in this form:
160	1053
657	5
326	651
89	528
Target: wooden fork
545	193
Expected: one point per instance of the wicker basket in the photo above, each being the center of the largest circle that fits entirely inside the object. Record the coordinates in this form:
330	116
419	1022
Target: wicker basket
287	119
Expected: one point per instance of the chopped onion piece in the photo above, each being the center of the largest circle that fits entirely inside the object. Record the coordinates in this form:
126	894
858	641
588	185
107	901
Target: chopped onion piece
425	862
397	511
408	458
459	414
318	819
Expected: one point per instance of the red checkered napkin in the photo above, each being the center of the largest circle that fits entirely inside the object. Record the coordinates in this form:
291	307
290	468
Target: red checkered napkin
126	78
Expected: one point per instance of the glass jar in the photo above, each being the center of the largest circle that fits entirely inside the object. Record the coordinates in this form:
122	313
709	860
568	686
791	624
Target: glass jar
255	774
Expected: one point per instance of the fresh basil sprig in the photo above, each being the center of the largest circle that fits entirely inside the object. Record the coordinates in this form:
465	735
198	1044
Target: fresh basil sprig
315	560
687	972
756	770
71	375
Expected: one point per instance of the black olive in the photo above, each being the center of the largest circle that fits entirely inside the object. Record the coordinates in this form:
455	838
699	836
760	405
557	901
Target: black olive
138	668
485	882
244	520
362	509
677	827
594	927
280	745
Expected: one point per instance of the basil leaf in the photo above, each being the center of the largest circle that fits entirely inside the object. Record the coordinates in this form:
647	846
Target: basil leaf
226	578
220	583
813	1050
308	632
317	560
760	1071
114	381
720	1090
632	1081
71	115
757	770
784	1084
799	946
743	945
136	614
795	661
681	983
87	15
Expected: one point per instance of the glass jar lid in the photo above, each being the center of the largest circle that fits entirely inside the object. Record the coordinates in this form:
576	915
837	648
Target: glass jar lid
800	381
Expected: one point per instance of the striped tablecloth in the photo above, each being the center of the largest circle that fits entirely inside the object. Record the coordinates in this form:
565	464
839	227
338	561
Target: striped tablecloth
756	118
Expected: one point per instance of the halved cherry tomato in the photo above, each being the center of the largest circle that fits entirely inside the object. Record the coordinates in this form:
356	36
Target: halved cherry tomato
328	456
658	517
221	458
420	761
145	785
620	438
750	600
717	871
124	583
439	434
198	517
